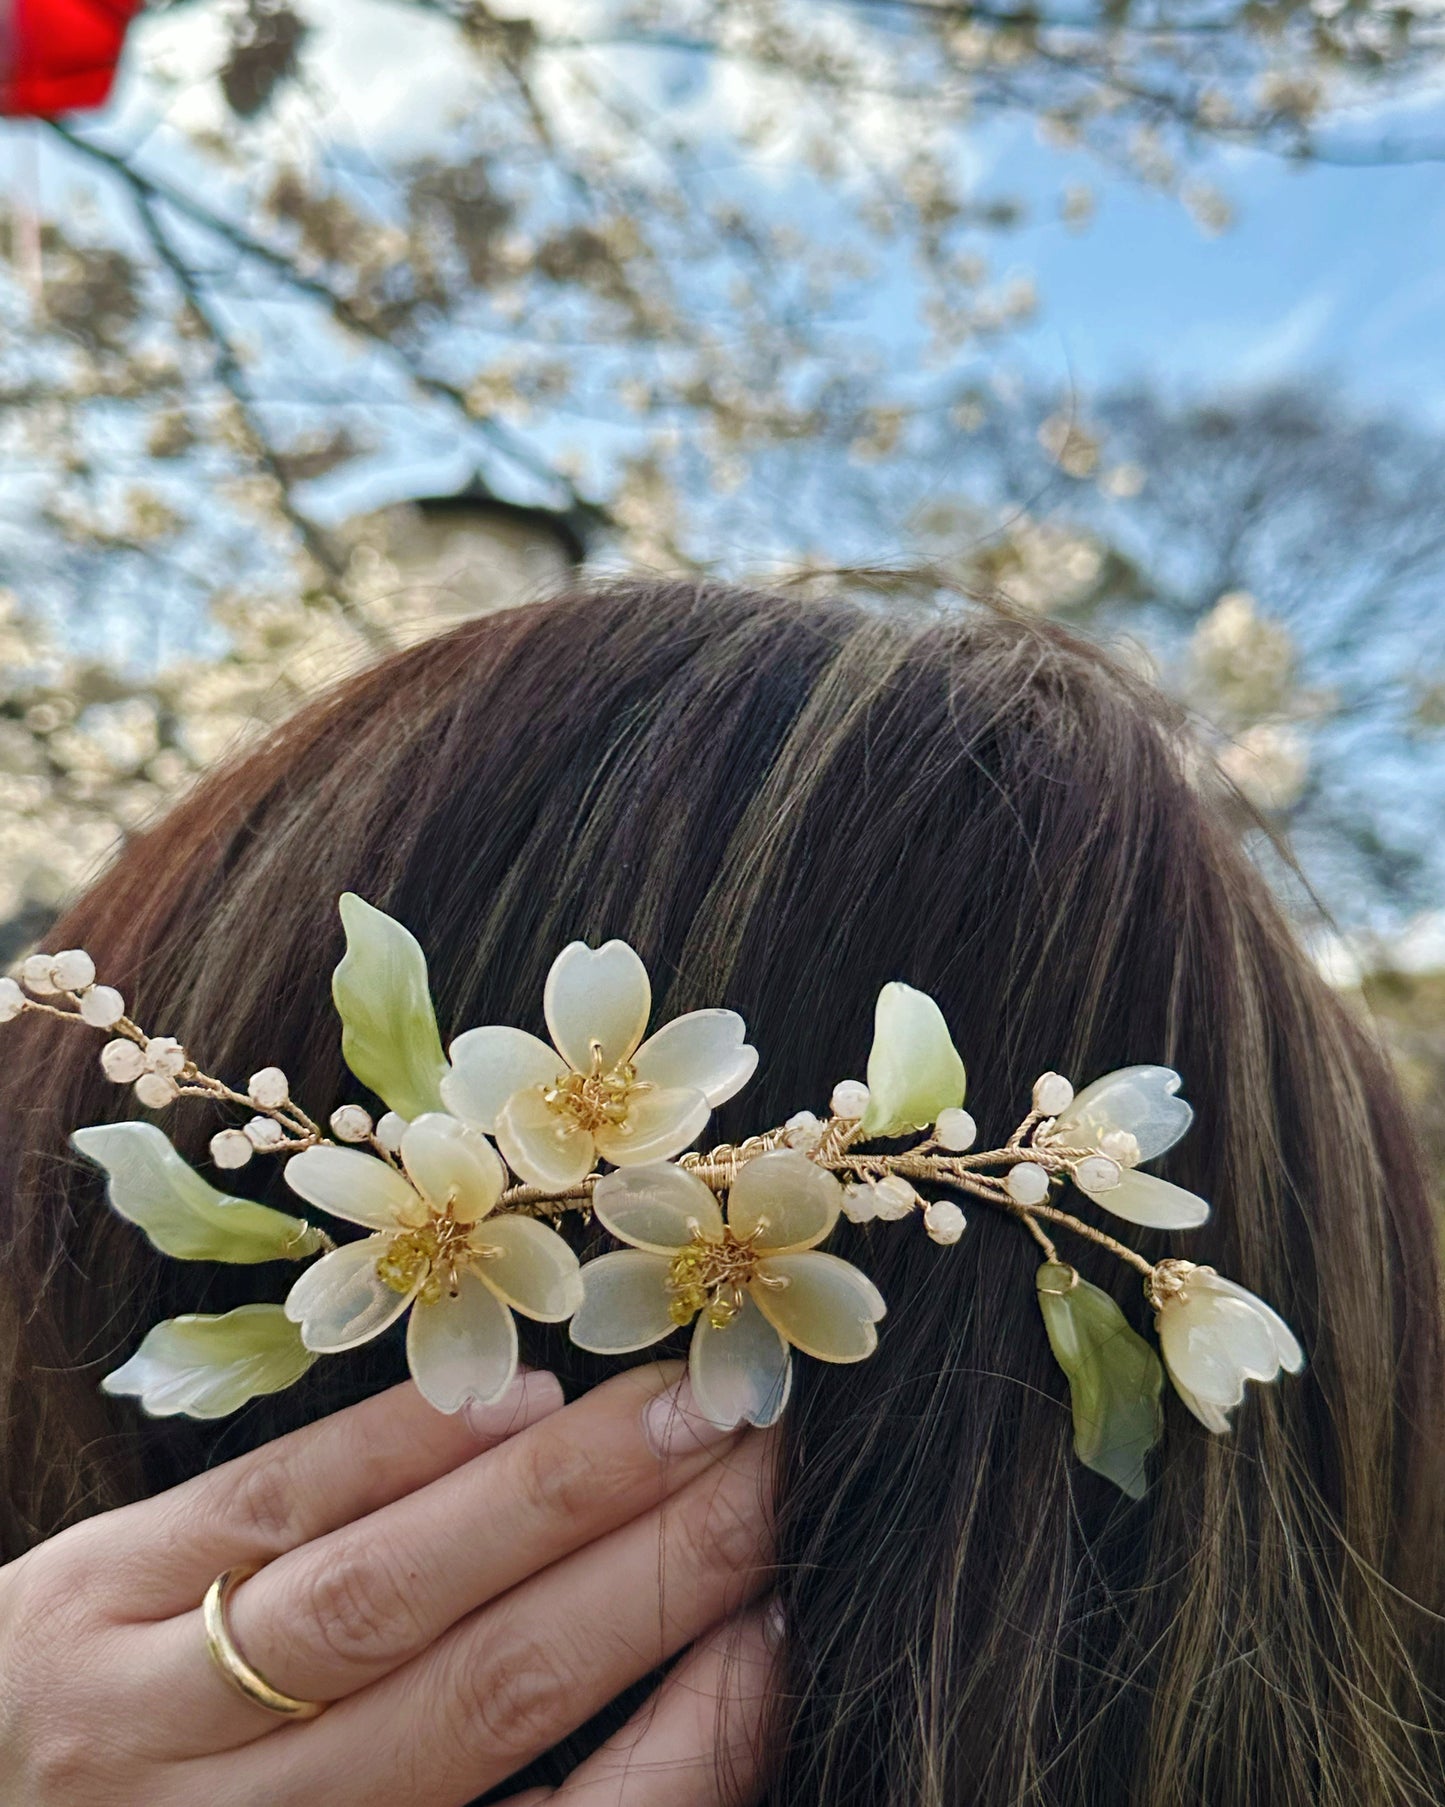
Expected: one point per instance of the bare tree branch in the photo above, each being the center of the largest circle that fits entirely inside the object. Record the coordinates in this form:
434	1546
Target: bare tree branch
229	372
150	189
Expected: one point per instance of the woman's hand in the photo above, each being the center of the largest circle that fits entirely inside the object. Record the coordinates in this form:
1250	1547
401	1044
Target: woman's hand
465	1591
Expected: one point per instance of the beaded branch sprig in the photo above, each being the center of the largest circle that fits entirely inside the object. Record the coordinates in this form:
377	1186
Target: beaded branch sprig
483	1148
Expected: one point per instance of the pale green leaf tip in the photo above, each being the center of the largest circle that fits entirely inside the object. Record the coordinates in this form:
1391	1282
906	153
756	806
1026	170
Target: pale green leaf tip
914	1070
356	911
180	1213
200	1366
389	1035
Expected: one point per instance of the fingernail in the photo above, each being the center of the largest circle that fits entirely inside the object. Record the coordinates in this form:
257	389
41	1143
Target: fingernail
534	1394
674	1425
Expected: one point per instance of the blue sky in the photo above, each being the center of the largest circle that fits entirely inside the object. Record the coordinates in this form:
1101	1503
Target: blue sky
1332	271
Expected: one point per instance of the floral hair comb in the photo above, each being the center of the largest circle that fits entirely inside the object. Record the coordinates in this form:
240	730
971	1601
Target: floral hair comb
481	1151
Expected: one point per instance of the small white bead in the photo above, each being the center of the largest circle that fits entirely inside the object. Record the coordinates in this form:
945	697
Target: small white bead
1028	1183
12	1000
73	969
231	1148
102	1007
956	1130
268	1089
37	975
350	1123
155	1089
122	1061
944	1221
1052	1094
264	1132
849	1100
390	1130
164	1055
894	1198
1121	1145
803	1130
859	1204
1097	1173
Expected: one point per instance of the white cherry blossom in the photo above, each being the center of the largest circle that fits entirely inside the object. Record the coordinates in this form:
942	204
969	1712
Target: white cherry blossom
1214	1336
1128	1117
437	1247
756	1283
600	1090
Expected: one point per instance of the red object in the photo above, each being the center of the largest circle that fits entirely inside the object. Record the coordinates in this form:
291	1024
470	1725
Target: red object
57	56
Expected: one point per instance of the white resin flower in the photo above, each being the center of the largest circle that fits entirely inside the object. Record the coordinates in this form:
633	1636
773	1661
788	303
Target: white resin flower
1214	1336
1121	1120
757	1283
435	1247
600	1090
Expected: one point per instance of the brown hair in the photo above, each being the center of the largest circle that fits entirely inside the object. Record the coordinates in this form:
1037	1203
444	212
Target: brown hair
782	805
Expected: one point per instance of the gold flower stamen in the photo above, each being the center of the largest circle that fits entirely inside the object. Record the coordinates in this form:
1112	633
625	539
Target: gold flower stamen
711	1272
599	1097
436	1253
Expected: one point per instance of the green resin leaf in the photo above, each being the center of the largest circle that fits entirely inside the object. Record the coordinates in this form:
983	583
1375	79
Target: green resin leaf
205	1367
152	1186
388	1028
914	1070
1114	1377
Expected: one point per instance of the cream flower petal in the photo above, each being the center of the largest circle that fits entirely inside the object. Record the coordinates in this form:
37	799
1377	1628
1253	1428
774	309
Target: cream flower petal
656	1207
1212	1417
488	1065
542	1145
625	1304
703	1051
340	1301
361	1188
658	1125
1213	1343
597	994
536	1271
462	1348
795	1199
452	1165
1216	1366
1140	1100
1286	1343
1141	1198
827	1309
742	1373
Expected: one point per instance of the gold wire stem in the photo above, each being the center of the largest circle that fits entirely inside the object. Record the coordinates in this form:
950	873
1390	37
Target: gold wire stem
1035	1229
718	1167
1102	1237
1025	1129
523	1200
191	1082
34	1005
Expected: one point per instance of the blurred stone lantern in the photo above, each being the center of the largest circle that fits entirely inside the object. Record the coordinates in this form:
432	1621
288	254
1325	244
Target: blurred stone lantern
470	552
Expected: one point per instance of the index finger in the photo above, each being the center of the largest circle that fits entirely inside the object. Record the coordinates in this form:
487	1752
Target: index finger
161	1554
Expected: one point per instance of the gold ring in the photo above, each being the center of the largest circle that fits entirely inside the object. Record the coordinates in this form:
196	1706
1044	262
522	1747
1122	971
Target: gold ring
221	1648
